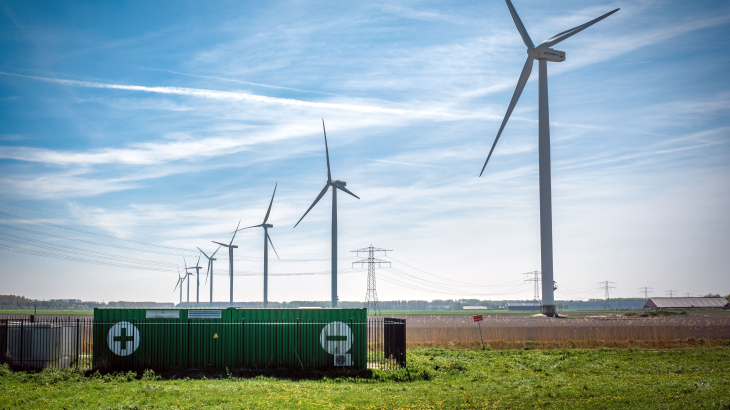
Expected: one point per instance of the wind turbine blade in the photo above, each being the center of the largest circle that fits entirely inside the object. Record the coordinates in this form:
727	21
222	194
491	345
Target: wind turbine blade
321	194
186	265
234	233
569	33
526	70
254	226
176	285
520	27
197	264
272	246
206	255
216	251
327	152
206	272
342	188
221	244
266	218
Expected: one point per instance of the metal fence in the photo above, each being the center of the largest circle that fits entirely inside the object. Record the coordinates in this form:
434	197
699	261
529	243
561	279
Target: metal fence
378	343
386	343
46	342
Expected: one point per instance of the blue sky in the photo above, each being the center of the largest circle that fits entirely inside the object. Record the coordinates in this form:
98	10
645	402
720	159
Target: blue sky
165	123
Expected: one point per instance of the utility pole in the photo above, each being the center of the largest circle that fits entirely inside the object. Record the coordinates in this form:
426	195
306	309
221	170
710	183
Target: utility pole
646	291
606	286
671	293
371	298
536	282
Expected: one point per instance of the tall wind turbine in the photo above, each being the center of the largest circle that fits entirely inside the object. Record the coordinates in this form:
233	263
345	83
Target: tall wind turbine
335	184
266	248
542	53
197	268
230	247
210	271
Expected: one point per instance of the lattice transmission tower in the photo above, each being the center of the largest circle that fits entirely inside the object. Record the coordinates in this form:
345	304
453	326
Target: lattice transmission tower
536	283
371	297
606	286
646	290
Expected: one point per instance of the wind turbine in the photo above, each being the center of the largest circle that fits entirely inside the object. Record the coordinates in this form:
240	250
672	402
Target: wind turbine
187	276
180	280
543	53
210	270
335	184
197	268
266	248
230	247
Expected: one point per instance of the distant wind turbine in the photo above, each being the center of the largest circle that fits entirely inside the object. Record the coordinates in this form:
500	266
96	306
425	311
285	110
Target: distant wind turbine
335	184
187	276
543	53
230	247
210	271
266	248
197	268
180	280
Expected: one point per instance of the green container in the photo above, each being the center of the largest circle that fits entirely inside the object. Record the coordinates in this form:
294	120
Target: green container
232	338
301	338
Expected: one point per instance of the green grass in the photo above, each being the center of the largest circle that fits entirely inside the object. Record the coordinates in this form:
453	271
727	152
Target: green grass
438	378
48	312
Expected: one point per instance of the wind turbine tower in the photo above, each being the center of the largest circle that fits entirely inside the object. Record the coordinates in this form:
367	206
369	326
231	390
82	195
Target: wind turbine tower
210	271
543	54
230	247
267	240
335	184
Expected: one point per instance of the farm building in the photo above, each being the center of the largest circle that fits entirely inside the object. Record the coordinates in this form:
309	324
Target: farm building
523	306
686	303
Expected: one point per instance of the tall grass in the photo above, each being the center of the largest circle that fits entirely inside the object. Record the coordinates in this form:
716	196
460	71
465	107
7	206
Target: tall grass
519	332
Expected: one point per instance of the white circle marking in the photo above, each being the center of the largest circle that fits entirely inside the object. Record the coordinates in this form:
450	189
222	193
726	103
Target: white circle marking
336	338
123	339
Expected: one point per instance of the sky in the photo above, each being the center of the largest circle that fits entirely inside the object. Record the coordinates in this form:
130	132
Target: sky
133	132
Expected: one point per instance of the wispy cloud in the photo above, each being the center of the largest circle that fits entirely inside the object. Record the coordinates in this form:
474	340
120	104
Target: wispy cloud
234	96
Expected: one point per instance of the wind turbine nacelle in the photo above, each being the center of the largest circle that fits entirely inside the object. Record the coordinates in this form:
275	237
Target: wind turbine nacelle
552	55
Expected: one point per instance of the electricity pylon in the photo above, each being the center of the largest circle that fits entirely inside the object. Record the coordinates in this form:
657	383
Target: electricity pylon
606	286
371	297
536	283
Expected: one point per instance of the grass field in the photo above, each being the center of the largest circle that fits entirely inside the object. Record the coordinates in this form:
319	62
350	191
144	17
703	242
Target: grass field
437	378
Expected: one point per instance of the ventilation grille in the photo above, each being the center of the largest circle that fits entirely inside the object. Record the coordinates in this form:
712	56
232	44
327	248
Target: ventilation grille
204	314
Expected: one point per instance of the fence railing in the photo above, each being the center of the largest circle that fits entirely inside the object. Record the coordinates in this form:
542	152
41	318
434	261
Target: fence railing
386	343
81	343
46	343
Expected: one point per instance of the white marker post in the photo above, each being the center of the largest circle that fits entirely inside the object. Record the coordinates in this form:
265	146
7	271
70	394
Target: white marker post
478	319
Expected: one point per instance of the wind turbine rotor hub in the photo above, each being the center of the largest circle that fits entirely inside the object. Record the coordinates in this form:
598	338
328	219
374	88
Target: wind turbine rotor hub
551	55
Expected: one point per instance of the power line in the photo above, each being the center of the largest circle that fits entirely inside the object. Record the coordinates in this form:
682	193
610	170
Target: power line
606	286
101	235
87	241
671	293
95	225
371	297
